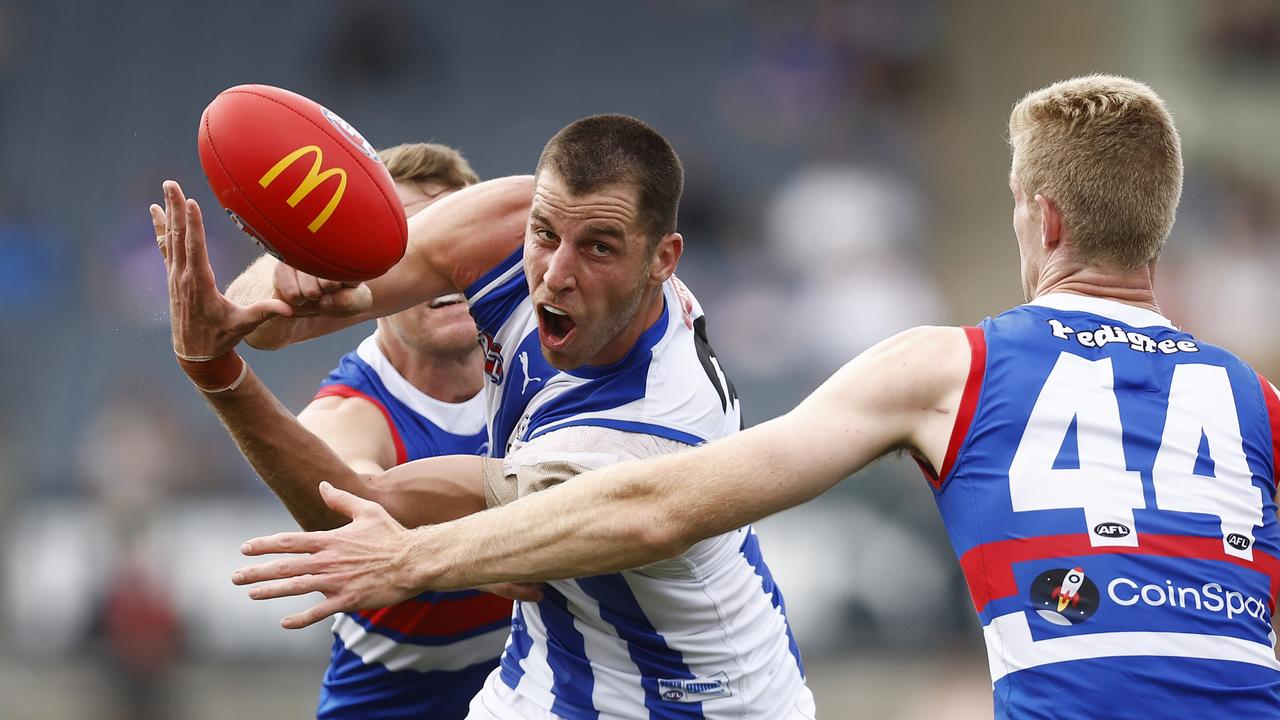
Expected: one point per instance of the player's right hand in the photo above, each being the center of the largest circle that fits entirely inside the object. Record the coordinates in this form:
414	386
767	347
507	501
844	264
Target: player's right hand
205	324
310	295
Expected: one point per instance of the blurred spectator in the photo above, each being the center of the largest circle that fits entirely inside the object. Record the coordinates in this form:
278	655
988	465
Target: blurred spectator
140	631
821	70
1220	268
1244	34
853	236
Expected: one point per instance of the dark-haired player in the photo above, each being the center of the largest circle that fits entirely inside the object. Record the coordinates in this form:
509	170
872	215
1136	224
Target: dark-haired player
594	353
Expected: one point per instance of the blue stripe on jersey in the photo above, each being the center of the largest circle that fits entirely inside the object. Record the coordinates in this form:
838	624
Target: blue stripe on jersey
751	551
353	689
429	640
627	426
517	649
492	310
495	272
608	386
572	680
512	406
646	646
640	353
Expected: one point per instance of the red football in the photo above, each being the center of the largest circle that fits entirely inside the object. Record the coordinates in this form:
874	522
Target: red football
302	182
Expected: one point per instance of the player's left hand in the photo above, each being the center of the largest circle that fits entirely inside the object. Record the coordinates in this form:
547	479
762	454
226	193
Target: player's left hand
360	565
205	323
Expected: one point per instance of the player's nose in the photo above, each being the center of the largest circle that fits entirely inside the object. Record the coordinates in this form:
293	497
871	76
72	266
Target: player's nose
561	272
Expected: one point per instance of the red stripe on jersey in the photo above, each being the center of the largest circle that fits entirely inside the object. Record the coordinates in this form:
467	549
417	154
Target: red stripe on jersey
1273	414
968	405
402	457
441	618
988	568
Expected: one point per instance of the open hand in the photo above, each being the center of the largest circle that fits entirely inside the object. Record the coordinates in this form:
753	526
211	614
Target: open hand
205	323
364	564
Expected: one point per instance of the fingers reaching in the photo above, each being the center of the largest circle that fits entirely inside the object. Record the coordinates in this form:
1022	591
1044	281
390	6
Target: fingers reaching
197	252
162	239
289	542
175	205
346	503
314	614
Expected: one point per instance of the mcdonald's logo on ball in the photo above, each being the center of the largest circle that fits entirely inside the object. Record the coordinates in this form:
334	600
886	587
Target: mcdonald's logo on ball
302	182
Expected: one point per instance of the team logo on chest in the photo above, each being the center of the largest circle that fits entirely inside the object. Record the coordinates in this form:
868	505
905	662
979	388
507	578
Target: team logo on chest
492	357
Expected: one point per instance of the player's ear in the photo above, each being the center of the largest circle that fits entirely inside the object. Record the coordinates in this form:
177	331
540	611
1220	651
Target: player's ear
1050	222
666	255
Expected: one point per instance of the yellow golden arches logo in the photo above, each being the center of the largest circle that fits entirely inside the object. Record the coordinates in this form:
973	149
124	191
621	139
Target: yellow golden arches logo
314	178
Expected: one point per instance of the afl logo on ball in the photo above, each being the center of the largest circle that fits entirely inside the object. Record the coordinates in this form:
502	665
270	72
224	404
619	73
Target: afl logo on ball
1064	597
350	133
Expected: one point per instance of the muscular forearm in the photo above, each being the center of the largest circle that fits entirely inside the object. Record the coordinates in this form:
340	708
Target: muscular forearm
619	517
291	460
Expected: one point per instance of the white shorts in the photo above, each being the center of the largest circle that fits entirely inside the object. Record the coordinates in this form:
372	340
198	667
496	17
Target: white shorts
496	701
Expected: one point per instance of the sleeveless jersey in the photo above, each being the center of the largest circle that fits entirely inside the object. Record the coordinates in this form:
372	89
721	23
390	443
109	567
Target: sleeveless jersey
1109	490
704	635
428	656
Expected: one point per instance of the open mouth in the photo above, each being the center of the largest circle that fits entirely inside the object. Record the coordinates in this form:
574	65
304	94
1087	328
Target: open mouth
447	300
555	326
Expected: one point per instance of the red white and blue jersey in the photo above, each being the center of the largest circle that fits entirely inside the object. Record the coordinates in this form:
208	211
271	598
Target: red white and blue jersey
704	635
1109	489
425	657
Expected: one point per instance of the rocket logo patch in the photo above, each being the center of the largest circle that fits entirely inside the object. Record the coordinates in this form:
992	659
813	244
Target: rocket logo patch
1064	597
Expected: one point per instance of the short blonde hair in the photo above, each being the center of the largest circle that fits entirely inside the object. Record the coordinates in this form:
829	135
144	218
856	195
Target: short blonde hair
1105	150
428	162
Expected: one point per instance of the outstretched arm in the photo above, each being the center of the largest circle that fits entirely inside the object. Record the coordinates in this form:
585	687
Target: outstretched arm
291	460
901	394
451	244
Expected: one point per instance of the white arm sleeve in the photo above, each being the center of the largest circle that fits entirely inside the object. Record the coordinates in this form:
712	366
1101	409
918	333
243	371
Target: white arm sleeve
557	456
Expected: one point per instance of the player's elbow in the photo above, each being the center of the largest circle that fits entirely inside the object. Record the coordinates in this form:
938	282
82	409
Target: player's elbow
658	531
663	537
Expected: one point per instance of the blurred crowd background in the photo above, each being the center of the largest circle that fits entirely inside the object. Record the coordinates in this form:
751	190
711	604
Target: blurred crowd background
846	179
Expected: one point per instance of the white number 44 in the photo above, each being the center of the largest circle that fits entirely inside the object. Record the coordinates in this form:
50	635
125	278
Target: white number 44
1201	405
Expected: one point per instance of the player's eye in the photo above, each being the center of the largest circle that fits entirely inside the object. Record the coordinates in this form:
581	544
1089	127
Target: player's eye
544	234
599	248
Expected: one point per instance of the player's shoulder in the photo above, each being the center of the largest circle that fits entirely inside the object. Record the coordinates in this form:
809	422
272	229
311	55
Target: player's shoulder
351	409
928	346
915	367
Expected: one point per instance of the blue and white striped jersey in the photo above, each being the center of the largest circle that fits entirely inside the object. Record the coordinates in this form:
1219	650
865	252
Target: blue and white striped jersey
704	635
1109	490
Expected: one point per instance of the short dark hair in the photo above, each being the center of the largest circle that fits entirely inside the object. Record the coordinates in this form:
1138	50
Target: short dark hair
428	162
601	150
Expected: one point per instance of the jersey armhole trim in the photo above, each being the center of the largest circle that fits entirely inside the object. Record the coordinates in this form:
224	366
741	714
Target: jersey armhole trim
1273	417
968	405
347	391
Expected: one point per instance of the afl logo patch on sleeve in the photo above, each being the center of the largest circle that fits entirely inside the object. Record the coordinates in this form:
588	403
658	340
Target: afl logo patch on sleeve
694	690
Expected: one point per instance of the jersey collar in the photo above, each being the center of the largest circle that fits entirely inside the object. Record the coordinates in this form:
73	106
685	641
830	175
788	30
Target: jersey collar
1128	314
